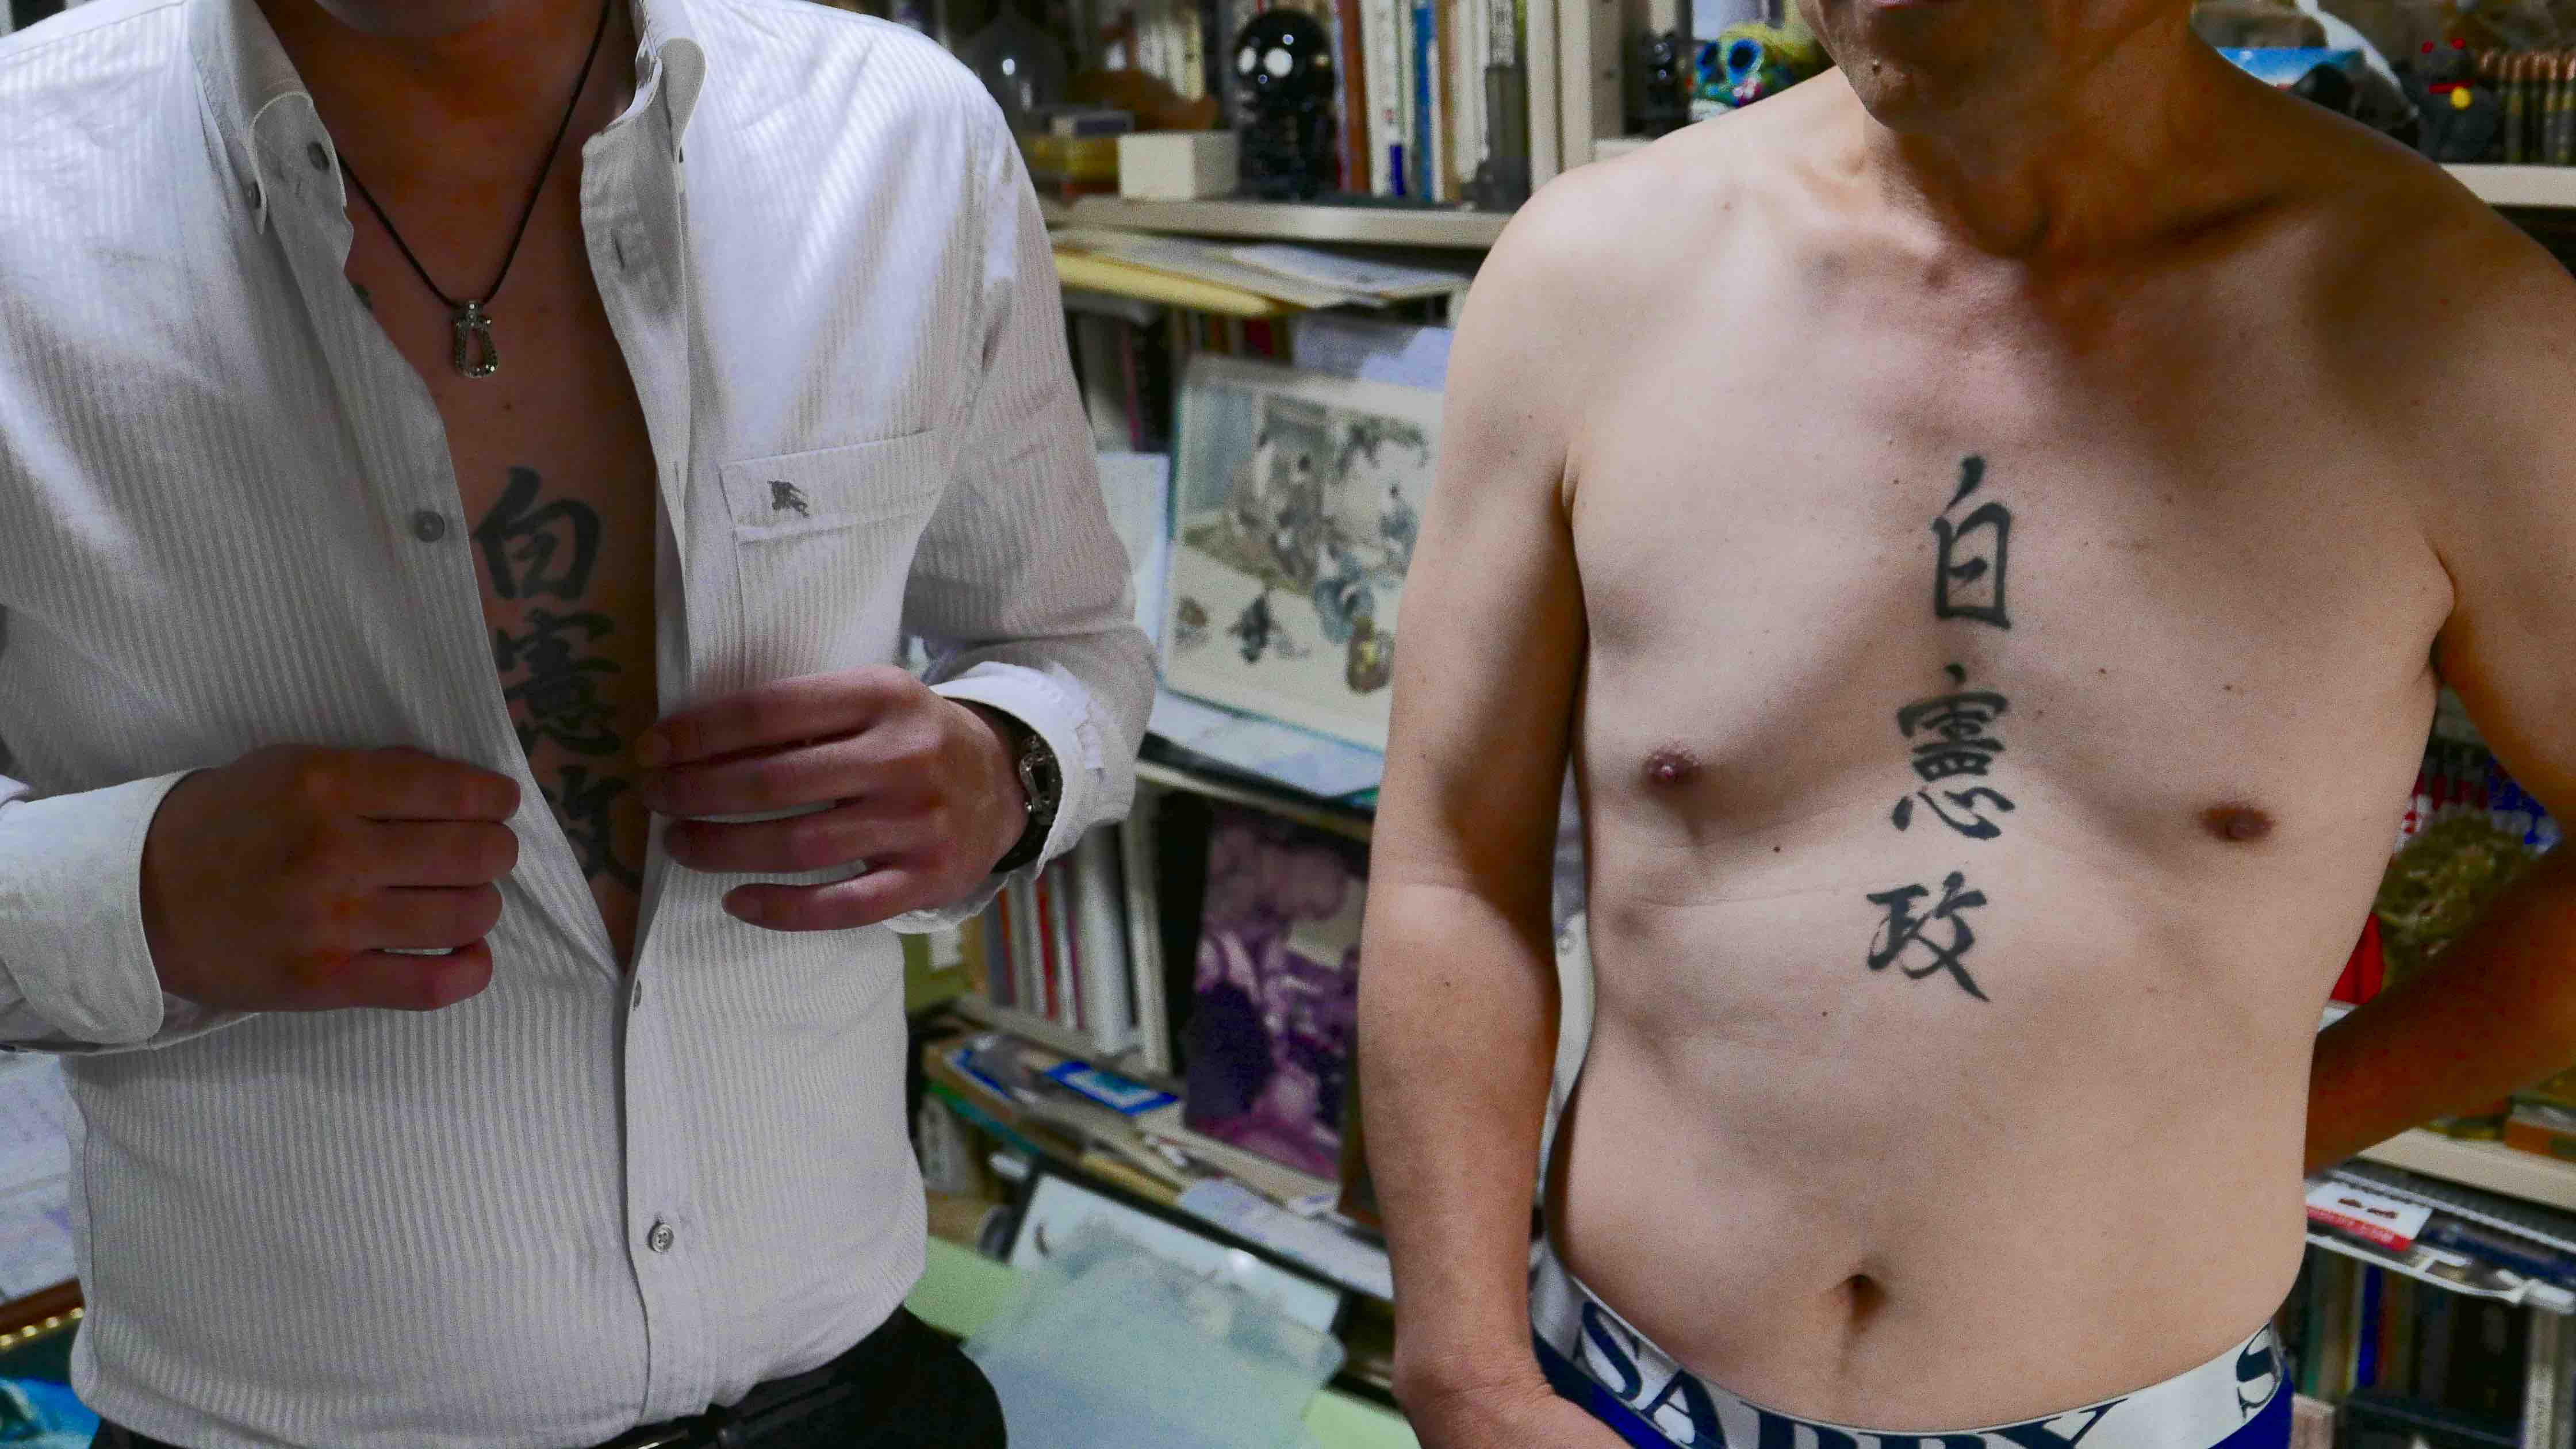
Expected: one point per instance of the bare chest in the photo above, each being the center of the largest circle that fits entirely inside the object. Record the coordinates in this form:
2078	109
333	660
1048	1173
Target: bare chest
555	475
1883	577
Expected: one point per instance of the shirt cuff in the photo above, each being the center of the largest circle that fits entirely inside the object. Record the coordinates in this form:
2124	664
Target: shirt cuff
71	915
1057	711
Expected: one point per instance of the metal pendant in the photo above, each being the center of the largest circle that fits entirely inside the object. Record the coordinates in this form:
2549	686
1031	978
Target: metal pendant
476	356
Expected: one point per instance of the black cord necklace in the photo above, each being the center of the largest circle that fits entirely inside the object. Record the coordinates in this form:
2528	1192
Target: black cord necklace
475	354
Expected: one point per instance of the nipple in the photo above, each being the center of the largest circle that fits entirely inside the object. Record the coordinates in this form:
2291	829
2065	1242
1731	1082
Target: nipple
2239	823
1671	767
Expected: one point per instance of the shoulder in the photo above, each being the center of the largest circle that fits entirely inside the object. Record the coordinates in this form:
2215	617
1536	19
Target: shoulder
1622	238
98	115
1598	258
1625	229
2453	322
87	65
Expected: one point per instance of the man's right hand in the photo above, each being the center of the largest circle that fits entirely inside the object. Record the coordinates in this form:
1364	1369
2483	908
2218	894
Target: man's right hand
1524	1417
286	880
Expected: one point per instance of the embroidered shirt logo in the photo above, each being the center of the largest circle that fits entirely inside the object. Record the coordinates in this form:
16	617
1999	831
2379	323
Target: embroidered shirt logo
783	496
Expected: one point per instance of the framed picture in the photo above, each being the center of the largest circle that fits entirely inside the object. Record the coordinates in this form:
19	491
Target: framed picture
1057	1204
1275	994
1297	501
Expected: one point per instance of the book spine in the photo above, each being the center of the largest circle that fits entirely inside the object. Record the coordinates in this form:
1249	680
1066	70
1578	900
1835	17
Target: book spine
1540	52
1152	34
971	959
1003	963
1026	964
2397	1335
1108	1007
1051	998
1190	48
1462	43
1144	919
1381	138
1068	955
1350	52
2366	1329
1131	342
1425	130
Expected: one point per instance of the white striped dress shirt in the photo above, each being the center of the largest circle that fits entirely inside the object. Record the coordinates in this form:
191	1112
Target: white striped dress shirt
575	1203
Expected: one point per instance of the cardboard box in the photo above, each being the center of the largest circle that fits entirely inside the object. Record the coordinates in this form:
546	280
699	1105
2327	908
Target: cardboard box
1179	165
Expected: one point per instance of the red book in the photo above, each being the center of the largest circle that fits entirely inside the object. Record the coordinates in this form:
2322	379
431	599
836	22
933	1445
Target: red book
1046	951
2366	970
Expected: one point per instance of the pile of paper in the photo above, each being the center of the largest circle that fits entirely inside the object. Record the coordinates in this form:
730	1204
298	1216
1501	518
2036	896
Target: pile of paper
1280	275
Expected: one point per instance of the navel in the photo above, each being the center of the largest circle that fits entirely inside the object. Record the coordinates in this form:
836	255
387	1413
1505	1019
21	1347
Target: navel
1863	1298
2238	823
1670	768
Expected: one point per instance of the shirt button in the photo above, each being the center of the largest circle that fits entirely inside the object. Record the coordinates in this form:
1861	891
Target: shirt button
429	525
635	995
320	158
659	1240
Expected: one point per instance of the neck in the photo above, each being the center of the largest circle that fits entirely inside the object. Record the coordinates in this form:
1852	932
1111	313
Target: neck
2110	144
465	108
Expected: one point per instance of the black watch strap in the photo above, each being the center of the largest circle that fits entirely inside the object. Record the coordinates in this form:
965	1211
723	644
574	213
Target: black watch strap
1042	781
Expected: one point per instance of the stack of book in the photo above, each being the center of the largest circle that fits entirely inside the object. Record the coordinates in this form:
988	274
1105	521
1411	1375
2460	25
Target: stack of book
1431	90
1057	950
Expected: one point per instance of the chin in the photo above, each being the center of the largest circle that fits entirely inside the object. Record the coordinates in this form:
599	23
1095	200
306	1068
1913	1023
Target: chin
1921	65
416	19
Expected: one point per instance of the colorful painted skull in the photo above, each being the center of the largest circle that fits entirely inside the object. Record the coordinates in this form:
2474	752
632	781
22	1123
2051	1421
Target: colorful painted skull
1749	61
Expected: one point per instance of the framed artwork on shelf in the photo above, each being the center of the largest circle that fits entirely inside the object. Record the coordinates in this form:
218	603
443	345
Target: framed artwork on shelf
1297	501
1276	989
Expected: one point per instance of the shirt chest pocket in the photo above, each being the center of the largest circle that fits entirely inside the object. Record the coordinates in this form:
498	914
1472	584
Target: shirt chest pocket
823	544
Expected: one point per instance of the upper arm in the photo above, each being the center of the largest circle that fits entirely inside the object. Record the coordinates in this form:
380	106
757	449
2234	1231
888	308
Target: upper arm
1021	544
1492	630
2503	522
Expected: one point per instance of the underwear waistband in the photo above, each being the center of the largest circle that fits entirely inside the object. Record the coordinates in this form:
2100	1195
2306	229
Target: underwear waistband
2238	1400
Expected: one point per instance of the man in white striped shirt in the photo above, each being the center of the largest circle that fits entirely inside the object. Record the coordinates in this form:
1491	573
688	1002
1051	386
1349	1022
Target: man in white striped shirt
451	584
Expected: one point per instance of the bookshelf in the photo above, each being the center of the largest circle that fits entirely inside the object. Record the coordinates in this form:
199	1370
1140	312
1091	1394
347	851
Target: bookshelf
1274	802
2527	186
1453	228
1353	225
2489	1166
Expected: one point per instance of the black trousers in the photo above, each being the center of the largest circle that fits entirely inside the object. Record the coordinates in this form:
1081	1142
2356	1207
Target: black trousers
905	1386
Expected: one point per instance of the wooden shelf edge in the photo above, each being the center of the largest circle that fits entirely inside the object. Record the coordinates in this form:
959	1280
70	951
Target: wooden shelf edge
1287	221
2543	186
1062	1040
2488	1166
1280	803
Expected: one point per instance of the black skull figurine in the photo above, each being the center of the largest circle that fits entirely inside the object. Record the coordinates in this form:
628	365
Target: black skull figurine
1284	77
1663	89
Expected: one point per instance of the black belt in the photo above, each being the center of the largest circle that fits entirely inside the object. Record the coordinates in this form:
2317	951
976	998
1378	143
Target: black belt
780	1403
858	1374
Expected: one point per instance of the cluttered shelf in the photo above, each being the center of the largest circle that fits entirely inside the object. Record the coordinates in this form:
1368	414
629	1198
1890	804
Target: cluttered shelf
1287	805
2522	186
2491	1166
1403	226
2546	187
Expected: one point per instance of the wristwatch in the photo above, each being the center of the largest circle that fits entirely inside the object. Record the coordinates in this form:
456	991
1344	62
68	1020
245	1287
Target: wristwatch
1042	782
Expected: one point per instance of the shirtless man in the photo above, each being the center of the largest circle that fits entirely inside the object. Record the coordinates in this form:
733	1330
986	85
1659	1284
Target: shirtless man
1987	527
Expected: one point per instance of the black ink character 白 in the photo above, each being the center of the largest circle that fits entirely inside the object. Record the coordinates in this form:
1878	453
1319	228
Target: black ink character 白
1904	930
532	550
1968	582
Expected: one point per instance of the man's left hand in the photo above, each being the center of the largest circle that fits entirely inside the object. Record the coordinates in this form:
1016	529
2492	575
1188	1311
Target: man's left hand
920	787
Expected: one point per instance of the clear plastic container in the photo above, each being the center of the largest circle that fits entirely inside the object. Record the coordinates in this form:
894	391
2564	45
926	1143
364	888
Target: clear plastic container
1110	1347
